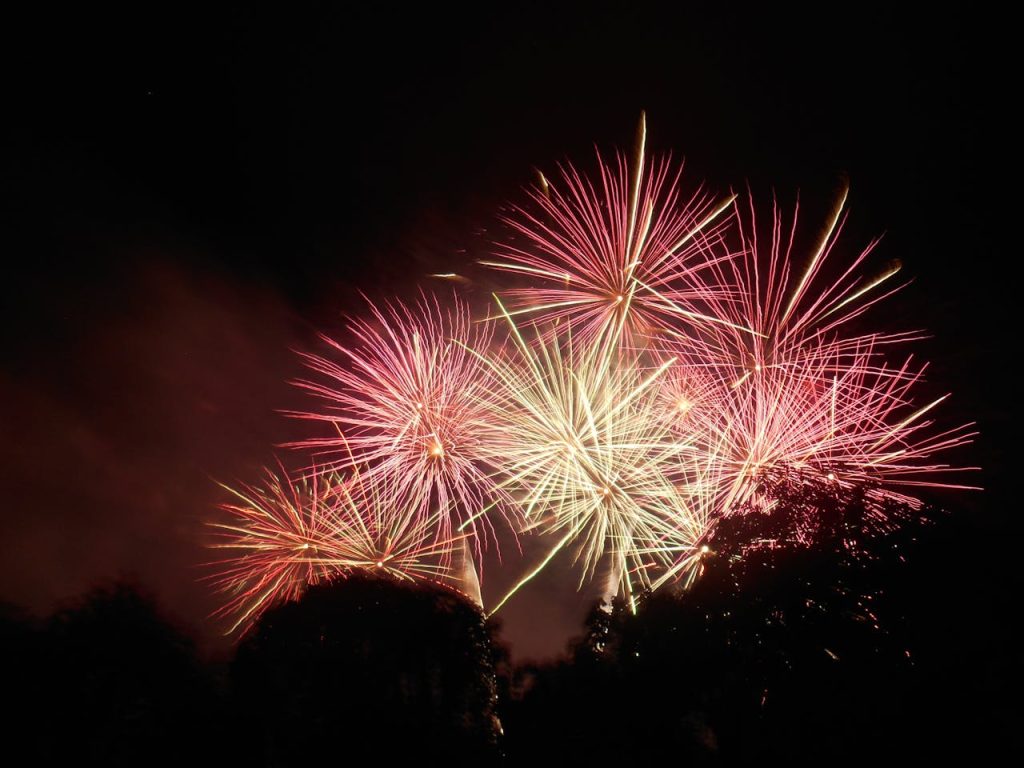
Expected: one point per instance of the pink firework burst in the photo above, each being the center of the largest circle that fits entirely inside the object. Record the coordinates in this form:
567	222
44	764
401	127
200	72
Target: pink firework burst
406	399
606	260
799	387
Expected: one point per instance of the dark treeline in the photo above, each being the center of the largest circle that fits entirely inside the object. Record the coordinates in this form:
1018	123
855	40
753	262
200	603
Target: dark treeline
833	629
106	681
862	646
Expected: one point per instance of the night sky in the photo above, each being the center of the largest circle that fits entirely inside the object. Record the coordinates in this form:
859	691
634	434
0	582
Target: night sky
193	194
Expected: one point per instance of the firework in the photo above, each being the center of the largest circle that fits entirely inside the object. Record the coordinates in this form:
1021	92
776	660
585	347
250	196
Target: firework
285	535
406	401
679	369
773	314
804	390
610	261
590	459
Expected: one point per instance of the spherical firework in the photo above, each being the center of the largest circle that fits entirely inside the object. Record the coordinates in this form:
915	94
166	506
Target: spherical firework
407	401
798	388
607	261
589	457
805	389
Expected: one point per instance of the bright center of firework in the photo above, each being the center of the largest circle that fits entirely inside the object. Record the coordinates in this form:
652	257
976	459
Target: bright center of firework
305	546
436	450
705	549
831	475
683	405
757	367
618	298
380	563
606	491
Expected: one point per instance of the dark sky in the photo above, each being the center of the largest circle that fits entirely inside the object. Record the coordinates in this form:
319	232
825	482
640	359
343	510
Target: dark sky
194	192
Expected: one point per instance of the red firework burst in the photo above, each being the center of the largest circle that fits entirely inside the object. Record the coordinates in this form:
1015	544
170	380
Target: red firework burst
285	535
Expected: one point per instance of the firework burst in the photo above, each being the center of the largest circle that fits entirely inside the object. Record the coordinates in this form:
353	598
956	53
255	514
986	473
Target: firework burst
287	534
406	399
590	459
611	260
805	390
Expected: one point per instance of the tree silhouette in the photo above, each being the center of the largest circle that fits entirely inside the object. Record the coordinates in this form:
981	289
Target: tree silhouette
122	686
22	667
793	644
368	669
